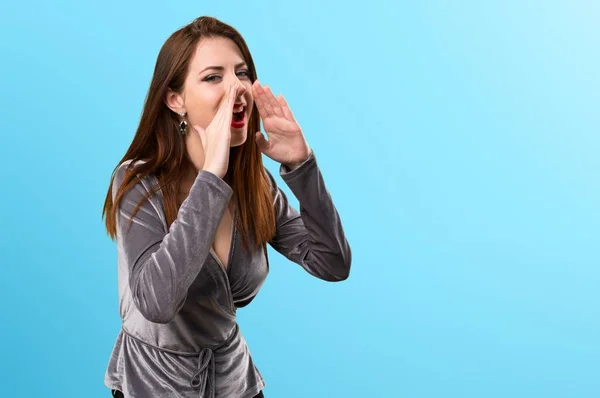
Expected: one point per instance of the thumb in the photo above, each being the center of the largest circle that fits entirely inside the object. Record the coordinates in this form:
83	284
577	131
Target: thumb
202	133
262	143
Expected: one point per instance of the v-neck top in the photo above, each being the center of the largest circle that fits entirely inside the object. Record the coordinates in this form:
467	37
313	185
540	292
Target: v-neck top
179	334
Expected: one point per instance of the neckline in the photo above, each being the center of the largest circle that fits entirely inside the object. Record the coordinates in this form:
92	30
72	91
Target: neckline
231	245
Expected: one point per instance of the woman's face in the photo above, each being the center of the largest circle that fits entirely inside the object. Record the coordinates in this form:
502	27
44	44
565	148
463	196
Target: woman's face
216	64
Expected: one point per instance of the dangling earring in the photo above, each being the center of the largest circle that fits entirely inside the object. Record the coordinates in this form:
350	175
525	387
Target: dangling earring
182	124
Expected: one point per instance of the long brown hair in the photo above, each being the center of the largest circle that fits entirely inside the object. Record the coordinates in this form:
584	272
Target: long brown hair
162	148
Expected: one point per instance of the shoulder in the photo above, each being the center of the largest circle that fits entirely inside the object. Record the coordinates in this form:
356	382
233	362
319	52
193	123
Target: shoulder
128	166
270	178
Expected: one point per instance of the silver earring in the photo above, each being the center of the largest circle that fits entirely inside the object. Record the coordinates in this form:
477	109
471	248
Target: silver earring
182	124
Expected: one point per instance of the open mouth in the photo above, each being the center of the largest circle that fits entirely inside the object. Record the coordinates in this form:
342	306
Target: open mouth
238	119
239	116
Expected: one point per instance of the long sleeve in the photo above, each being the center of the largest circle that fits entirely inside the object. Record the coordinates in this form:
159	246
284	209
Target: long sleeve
163	264
314	237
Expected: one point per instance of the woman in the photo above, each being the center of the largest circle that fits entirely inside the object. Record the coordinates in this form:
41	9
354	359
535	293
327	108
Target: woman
192	209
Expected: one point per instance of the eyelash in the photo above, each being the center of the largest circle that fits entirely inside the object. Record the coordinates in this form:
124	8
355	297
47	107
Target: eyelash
211	78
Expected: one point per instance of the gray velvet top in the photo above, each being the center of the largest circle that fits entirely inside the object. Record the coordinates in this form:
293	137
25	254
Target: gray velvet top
179	335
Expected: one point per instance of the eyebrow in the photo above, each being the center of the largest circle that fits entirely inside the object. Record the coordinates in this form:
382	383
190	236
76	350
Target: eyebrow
215	67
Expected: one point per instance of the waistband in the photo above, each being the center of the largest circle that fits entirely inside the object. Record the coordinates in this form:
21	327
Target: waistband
204	378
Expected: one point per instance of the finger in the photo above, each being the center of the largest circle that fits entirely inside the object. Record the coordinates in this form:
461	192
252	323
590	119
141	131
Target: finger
224	114
202	134
262	101
272	101
258	101
228	108
224	98
256	91
223	107
287	112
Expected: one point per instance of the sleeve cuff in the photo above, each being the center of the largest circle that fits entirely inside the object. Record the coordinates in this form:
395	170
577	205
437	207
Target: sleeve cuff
215	181
289	175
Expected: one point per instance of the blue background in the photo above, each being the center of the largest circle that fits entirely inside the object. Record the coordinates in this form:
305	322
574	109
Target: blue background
459	140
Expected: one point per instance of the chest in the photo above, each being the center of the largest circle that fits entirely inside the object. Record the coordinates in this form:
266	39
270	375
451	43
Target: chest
221	246
231	276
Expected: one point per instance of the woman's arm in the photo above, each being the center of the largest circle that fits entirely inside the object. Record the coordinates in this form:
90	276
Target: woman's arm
314	237
163	265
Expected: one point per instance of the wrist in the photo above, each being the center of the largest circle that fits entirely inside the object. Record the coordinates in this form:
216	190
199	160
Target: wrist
295	165
215	172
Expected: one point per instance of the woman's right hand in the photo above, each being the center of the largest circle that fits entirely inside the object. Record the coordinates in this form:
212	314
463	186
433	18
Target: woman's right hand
216	138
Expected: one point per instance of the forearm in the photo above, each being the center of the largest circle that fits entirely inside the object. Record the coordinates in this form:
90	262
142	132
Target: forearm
161	274
314	237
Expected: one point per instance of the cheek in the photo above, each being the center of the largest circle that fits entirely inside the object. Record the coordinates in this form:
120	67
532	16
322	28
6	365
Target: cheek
202	104
212	99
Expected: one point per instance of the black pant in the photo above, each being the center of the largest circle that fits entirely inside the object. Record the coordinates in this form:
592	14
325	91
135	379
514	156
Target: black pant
119	394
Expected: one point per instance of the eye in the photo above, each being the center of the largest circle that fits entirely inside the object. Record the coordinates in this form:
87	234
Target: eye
211	78
244	72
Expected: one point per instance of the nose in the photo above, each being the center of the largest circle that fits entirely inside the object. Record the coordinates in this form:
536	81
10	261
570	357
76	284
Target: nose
241	88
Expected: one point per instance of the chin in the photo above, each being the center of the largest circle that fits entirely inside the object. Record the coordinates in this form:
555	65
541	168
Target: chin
238	139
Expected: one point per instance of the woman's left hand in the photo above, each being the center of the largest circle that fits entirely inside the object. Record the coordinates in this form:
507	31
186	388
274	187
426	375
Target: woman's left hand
286	143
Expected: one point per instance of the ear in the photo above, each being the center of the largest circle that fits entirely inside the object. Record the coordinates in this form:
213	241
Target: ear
174	101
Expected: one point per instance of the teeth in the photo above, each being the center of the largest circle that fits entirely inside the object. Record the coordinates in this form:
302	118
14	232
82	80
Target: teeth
239	110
